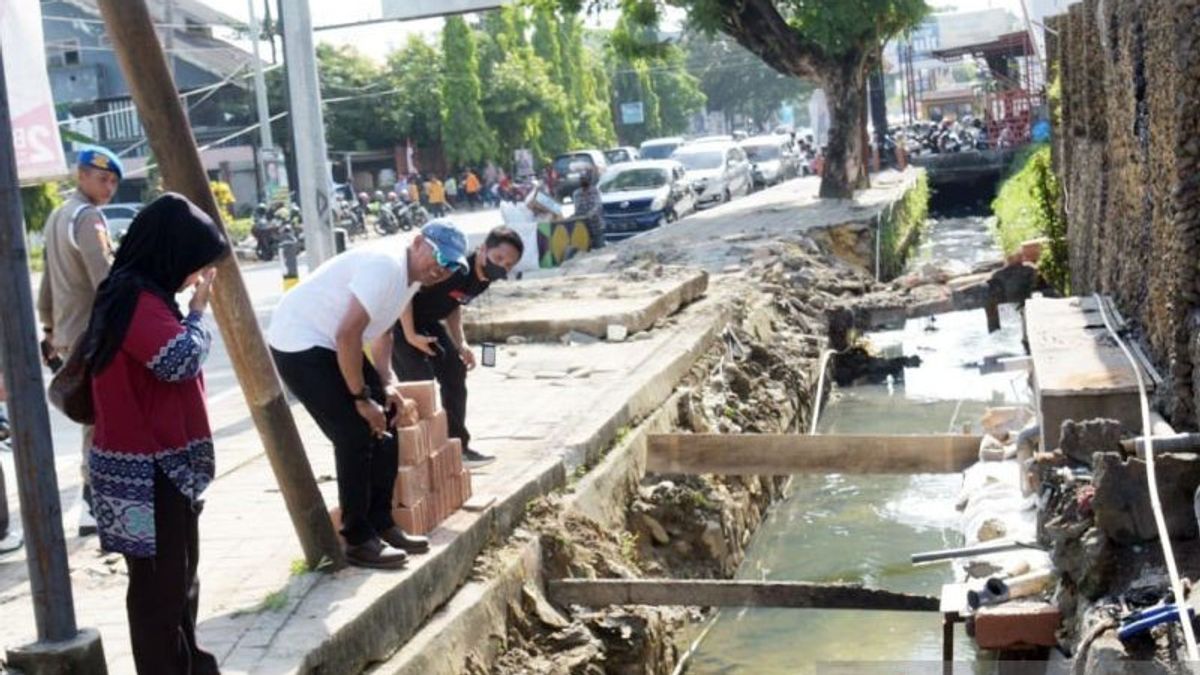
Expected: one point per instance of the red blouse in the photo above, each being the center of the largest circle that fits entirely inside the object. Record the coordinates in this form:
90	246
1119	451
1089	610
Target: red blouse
150	414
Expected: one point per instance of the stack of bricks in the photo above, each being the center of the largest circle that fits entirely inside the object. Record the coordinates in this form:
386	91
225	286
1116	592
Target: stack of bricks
432	482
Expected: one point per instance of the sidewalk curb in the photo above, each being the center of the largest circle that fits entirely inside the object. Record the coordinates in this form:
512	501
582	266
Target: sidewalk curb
398	614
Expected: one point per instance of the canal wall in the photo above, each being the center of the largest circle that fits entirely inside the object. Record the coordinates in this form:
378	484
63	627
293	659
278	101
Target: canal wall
1127	151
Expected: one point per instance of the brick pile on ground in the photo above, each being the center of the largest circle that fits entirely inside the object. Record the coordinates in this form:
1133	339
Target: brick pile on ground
431	482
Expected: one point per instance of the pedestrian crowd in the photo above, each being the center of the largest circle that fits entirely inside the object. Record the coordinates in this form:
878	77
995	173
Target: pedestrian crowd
116	335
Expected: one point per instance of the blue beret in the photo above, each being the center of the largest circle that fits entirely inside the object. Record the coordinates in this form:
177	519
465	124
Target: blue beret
101	158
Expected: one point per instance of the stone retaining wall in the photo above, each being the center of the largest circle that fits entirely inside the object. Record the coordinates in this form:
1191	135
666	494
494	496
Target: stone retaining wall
1127	150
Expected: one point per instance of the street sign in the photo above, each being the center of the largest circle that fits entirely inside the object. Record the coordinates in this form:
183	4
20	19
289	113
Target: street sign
406	10
632	113
35	130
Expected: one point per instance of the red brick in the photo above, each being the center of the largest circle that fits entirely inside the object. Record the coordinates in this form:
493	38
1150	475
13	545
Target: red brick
424	393
453	451
412	484
434	463
1017	624
465	479
437	429
412	445
408	518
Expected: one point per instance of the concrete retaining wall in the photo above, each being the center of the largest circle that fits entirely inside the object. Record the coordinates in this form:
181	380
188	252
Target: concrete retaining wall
1127	150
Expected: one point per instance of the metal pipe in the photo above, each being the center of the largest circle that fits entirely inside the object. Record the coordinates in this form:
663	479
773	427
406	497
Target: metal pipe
1184	442
967	551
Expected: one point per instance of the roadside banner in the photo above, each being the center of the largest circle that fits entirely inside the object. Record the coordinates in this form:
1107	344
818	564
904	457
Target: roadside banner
35	129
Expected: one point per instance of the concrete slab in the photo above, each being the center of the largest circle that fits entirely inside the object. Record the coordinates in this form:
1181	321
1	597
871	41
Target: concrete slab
1079	372
547	309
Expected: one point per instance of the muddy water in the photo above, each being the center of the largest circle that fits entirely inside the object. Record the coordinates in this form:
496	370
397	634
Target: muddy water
863	529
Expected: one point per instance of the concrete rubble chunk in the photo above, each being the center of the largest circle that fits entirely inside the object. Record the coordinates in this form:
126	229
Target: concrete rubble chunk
1080	440
1122	500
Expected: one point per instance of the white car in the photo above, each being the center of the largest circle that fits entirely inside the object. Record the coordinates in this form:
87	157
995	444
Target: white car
771	158
118	217
642	195
717	171
660	148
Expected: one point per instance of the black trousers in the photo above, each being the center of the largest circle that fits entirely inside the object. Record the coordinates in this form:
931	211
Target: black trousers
447	368
366	465
164	594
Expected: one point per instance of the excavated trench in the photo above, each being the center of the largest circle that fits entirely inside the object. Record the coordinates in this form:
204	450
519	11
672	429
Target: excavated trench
759	378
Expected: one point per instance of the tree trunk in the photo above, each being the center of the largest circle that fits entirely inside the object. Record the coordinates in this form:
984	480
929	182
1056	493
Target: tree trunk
845	89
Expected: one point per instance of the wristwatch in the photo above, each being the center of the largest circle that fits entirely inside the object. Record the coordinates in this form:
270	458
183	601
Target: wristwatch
364	395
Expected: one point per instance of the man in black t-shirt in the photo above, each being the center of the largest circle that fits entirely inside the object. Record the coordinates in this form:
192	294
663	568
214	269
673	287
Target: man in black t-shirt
430	343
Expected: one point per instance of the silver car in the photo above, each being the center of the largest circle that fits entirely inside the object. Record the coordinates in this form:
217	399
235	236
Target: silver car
118	217
717	170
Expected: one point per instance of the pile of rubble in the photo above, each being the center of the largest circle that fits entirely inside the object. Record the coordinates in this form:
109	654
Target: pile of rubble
759	379
1096	518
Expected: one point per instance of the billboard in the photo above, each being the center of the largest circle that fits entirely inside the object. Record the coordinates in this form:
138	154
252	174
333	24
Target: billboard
35	129
424	9
633	113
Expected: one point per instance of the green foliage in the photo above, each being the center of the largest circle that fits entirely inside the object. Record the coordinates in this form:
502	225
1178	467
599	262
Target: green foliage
37	201
415	112
223	195
545	40
357	125
299	566
678	91
1029	206
738	82
274	602
835	43
37	258
465	135
827	30
901	233
238	229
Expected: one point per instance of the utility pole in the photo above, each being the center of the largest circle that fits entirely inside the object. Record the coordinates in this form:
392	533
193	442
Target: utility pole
266	152
61	646
145	67
308	131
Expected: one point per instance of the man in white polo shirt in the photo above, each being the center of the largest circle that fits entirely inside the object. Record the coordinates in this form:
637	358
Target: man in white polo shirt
317	337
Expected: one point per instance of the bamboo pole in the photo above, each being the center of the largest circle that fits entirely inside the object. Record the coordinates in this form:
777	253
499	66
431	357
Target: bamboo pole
135	42
732	593
785	454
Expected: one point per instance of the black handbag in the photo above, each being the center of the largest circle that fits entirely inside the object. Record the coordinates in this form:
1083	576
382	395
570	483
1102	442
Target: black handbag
71	388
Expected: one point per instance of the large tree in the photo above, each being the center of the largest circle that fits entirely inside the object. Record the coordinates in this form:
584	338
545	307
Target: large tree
737	82
466	136
835	43
415	112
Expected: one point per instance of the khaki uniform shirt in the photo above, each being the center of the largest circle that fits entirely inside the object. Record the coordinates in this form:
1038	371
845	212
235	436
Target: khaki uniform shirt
78	255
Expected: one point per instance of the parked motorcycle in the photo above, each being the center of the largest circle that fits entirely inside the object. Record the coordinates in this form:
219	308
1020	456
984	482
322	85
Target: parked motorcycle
410	215
349	218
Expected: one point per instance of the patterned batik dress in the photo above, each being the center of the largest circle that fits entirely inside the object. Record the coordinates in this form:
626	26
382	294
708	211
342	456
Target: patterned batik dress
150	415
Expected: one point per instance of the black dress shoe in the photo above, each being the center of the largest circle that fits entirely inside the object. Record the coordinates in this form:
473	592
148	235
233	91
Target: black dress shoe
373	554
475	459
396	538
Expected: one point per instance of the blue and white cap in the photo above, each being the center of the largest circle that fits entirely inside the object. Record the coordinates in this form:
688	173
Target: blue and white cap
449	243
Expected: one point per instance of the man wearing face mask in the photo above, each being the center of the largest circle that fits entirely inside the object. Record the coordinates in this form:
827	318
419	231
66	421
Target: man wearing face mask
429	340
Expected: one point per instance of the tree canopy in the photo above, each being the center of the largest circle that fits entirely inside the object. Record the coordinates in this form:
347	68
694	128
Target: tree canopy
833	43
466	137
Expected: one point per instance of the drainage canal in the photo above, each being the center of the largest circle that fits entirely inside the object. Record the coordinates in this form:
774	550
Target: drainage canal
864	528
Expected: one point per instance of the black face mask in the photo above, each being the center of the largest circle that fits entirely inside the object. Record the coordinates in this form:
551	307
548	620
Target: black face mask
494	272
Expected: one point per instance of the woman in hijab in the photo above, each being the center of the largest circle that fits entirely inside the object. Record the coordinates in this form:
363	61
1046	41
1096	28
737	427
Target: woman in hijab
152	455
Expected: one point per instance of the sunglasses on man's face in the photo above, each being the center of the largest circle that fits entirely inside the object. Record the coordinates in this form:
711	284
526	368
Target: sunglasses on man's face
451	265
